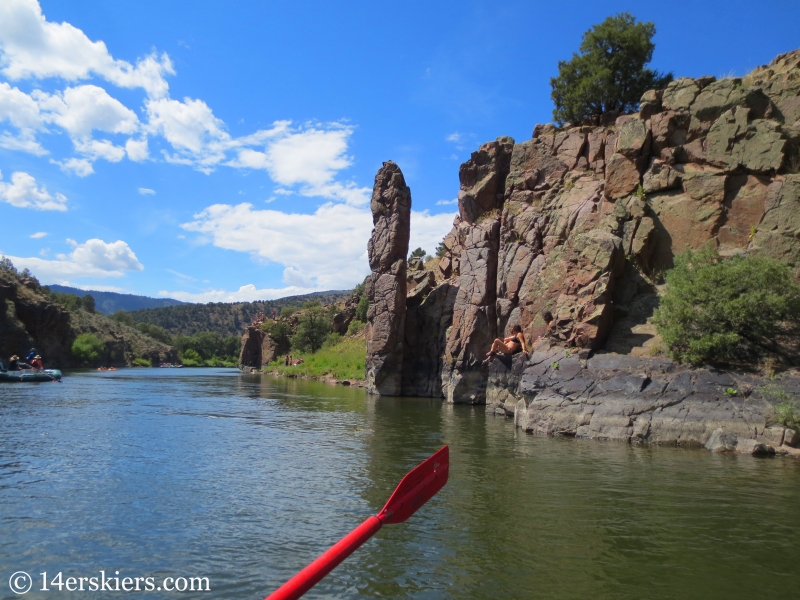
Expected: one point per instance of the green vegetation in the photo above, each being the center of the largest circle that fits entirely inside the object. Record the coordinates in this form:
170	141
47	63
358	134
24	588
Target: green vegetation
787	414
225	319
141	362
609	74
70	301
313	328
342	360
441	250
418	253
87	348
717	310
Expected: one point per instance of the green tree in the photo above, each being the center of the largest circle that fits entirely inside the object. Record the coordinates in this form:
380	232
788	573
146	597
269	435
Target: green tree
441	250
87	348
418	253
231	346
736	309
280	333
313	328
609	74
87	303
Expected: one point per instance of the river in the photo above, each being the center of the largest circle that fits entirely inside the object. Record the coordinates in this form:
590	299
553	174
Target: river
244	479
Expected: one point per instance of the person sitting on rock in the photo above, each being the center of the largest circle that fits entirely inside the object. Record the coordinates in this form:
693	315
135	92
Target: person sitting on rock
511	345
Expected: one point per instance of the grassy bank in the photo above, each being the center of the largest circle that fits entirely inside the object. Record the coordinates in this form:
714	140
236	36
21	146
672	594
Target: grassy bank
344	360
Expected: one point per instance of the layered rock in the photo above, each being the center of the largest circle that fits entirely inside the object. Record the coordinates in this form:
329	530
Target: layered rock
258	348
386	285
641	400
476	238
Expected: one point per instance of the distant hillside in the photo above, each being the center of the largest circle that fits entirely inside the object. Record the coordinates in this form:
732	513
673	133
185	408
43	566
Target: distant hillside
225	318
111	302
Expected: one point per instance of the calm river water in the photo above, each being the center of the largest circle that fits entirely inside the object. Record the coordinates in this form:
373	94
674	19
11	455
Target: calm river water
245	479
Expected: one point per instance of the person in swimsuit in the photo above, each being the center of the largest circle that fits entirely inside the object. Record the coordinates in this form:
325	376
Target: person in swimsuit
511	345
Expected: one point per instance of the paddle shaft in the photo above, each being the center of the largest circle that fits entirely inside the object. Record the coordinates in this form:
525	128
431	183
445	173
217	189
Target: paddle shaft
327	562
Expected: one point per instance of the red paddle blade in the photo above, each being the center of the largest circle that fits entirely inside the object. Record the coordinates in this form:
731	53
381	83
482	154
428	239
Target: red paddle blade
417	487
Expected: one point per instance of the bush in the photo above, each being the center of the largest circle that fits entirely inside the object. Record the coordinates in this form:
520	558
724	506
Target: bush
280	333
355	327
787	414
362	308
609	74
142	362
87	348
717	310
191	358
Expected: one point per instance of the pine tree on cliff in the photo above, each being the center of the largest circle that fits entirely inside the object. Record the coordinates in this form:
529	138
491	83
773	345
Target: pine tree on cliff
609	74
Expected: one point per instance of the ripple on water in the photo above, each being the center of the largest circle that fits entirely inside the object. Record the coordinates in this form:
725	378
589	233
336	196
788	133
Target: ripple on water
245	479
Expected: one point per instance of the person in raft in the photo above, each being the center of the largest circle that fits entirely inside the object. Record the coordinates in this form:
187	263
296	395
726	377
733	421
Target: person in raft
510	345
37	363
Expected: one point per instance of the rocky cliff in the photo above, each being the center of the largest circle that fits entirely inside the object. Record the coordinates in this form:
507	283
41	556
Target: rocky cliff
583	221
386	285
29	318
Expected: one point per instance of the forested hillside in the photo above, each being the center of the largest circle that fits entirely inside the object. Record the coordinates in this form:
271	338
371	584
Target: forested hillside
225	318
111	302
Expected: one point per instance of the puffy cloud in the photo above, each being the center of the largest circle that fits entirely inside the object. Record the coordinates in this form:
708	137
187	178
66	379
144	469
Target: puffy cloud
95	258
32	47
322	250
38	235
80	166
22	112
137	149
23	192
310	158
80	110
246	293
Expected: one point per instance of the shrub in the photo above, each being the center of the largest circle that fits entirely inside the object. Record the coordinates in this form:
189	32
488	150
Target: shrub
362	308
609	74
191	358
418	253
355	327
787	414
87	348
142	362
736	309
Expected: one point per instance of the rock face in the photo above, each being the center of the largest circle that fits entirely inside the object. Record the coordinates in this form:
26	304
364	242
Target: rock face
582	221
258	349
29	318
386	285
639	400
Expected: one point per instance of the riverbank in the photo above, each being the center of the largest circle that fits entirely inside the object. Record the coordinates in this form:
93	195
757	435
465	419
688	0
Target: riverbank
336	363
641	400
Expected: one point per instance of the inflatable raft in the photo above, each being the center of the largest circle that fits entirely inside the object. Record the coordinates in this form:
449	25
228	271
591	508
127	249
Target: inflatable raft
30	375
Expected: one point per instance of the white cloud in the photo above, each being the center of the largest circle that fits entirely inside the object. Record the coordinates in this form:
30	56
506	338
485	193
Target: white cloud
44	251
23	192
137	149
80	110
21	111
446	202
32	47
95	258
246	293
181	275
146	191
456	138
80	166
428	230
323	250
38	235
94	149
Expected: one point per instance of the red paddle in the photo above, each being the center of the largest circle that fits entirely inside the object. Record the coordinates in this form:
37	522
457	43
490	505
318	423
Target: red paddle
417	487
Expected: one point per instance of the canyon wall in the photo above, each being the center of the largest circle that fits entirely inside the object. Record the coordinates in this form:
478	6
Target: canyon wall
582	222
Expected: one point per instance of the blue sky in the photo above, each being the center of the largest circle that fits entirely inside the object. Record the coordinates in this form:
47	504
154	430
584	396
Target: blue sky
221	151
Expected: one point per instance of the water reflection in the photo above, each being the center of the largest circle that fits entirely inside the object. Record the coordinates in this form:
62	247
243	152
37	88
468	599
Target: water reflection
244	479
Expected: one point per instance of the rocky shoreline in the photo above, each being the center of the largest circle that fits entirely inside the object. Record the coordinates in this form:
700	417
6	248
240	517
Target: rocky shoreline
641	400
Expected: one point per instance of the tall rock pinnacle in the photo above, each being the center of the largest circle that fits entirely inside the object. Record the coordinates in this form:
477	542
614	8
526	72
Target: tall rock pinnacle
386	286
